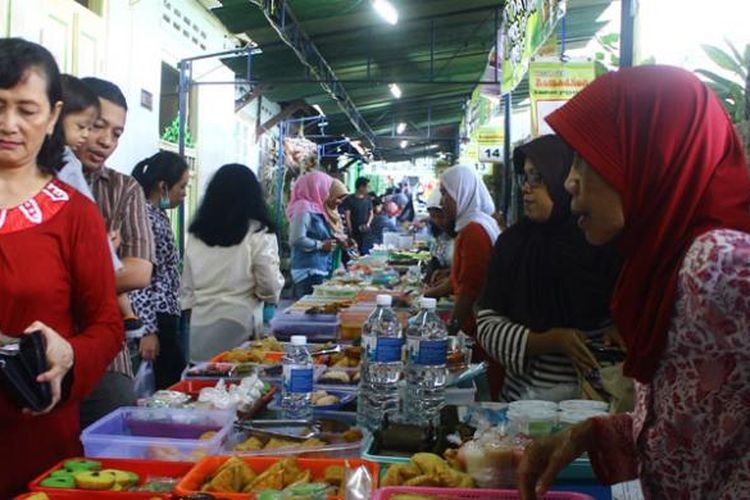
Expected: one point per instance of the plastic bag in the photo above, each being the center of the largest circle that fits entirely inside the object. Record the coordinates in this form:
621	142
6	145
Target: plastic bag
145	381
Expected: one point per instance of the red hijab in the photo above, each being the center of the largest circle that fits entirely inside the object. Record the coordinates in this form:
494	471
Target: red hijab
662	139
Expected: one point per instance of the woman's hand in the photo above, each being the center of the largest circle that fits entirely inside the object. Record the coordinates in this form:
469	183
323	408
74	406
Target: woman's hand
545	458
148	348
572	343
328	245
60	358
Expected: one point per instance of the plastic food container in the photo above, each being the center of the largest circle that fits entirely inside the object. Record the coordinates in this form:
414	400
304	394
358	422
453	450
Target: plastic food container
285	325
533	418
470	494
165	434
584	405
572	417
332	450
144	468
194	480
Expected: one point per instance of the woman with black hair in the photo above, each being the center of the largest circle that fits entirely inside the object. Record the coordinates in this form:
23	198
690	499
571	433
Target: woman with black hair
164	178
56	274
548	290
231	264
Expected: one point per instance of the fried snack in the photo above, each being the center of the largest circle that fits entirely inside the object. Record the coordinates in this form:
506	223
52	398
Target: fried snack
334	377
429	463
291	471
312	443
303	478
251	444
276	443
398	474
327	400
268	481
334	475
423	480
352	435
273	477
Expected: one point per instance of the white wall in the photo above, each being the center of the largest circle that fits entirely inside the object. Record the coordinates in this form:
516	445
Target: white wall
133	64
136	36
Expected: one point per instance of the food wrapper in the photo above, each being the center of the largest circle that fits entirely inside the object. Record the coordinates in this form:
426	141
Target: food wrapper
358	484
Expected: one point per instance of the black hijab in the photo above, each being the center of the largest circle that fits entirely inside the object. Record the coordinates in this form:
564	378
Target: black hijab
545	275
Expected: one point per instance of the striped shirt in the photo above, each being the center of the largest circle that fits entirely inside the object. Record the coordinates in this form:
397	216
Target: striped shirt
526	377
123	205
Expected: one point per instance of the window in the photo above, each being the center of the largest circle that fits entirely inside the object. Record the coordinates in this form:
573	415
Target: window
94	6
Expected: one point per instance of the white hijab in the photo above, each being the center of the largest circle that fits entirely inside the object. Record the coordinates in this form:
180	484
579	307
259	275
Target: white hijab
473	201
435	198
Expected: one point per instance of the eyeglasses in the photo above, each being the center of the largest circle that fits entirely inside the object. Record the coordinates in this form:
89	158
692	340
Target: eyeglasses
533	180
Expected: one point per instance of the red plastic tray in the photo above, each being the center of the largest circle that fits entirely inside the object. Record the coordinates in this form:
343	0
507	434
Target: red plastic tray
144	468
194	480
470	494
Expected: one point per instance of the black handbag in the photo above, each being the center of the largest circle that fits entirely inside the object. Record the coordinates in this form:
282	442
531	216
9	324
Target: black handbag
20	364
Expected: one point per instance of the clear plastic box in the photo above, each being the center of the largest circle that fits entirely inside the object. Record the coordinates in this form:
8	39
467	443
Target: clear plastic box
129	433
285	325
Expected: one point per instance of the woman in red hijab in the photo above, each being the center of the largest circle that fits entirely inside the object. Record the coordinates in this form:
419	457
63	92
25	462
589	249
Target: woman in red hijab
661	170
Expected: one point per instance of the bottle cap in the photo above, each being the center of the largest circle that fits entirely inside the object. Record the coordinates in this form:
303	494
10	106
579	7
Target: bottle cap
384	300
299	340
429	303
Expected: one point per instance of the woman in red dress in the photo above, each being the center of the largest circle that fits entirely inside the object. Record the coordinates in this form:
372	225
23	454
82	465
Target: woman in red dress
56	275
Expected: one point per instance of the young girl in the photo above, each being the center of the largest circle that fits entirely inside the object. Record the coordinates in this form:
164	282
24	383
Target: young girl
80	111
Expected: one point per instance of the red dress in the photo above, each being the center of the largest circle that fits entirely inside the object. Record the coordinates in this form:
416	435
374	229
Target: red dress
55	267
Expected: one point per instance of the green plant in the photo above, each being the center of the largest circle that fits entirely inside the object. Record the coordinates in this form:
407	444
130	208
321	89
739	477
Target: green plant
172	134
608	58
733	88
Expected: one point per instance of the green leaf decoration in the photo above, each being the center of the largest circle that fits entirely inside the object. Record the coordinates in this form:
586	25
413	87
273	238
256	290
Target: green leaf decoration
722	59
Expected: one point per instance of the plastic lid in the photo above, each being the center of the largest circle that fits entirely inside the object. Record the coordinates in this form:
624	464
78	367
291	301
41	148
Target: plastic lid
299	340
384	300
429	303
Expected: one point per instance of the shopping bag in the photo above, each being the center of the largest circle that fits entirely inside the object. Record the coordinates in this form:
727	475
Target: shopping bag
145	382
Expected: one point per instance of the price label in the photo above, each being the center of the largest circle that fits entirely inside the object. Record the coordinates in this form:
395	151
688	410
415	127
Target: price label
490	154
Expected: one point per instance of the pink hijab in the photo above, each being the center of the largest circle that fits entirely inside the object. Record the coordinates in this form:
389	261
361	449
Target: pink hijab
309	194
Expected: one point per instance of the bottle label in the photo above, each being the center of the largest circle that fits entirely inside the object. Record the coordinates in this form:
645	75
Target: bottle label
388	350
298	378
431	352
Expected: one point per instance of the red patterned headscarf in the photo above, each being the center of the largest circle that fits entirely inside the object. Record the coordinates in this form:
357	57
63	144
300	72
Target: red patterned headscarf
663	140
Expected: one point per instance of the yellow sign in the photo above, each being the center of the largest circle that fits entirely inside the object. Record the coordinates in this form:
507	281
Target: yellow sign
551	85
489	135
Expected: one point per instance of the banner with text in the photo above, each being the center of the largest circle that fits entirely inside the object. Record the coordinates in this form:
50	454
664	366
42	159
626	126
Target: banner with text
552	84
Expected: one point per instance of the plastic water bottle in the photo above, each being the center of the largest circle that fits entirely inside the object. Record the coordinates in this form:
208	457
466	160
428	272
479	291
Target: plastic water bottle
297	386
382	341
426	375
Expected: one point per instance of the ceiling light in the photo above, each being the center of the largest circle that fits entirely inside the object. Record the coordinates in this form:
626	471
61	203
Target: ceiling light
386	10
400	128
395	90
317	108
403	144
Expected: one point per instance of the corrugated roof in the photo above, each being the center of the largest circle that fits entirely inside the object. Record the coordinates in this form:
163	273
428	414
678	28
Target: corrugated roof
435	40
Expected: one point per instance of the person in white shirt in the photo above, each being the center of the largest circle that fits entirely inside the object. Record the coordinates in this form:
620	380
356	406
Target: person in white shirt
231	264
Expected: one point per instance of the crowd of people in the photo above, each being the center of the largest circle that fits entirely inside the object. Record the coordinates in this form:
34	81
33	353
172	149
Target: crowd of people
636	233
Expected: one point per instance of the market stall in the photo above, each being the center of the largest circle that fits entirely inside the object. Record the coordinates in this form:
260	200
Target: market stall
222	431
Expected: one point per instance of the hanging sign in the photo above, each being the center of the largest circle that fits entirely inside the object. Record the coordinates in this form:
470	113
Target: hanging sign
552	84
492	153
527	24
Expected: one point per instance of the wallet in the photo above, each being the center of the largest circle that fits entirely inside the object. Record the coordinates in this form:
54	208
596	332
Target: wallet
20	364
